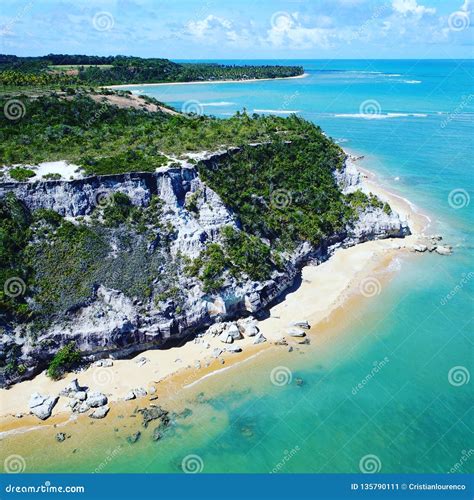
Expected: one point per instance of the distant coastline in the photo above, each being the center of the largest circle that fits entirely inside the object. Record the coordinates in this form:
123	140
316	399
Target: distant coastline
207	82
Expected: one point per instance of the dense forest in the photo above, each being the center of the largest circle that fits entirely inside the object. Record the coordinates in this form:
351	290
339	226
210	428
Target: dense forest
282	192
58	69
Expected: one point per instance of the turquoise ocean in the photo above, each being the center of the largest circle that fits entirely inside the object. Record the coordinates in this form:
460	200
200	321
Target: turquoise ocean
414	123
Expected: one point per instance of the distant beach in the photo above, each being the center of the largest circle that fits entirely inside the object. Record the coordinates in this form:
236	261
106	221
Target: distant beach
207	82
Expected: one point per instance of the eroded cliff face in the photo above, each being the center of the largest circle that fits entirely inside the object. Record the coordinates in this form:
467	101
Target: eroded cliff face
112	323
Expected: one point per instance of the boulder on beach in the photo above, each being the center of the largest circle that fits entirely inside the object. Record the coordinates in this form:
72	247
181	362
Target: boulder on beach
226	338
129	396
259	339
42	406
96	399
300	324
71	388
233	331
296	332
420	248
105	363
100	412
233	348
216	352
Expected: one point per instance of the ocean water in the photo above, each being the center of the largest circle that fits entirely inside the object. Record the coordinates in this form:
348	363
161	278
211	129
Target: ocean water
388	387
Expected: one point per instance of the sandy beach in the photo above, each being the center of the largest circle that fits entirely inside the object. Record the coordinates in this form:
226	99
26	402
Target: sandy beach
352	273
207	82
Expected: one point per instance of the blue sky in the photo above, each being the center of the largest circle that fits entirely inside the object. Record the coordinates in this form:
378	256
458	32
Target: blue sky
240	29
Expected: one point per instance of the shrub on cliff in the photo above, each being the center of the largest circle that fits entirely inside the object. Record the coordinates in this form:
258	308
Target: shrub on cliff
67	358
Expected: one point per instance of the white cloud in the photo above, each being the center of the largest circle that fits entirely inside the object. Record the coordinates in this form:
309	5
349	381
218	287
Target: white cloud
210	23
411	7
287	30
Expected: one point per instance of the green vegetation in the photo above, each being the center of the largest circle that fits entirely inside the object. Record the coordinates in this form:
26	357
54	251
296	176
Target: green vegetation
73	70
67	358
21	174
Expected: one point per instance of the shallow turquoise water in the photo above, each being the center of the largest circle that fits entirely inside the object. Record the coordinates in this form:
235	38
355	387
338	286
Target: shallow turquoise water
410	414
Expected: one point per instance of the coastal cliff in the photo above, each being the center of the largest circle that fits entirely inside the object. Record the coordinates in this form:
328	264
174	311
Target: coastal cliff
112	321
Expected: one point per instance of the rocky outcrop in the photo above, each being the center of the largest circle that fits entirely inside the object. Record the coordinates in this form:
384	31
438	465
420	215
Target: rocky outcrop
112	324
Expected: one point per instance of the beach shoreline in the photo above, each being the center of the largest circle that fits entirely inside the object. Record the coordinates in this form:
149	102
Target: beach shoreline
323	290
207	82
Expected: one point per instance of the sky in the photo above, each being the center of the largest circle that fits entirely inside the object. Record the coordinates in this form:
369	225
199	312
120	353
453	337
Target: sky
240	29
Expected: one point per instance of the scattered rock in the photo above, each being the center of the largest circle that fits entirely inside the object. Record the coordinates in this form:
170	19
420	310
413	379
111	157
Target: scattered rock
226	338
248	327
187	412
142	361
42	406
436	237
60	437
306	341
83	407
233	348
139	392
133	438
129	396
71	388
444	250
222	361
197	364
419	248
152	389
19	415
153	398
296	332
100	412
96	399
80	395
216	352
156	434
301	324
152	413
290	349
233	331
105	363
259	339
299	381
